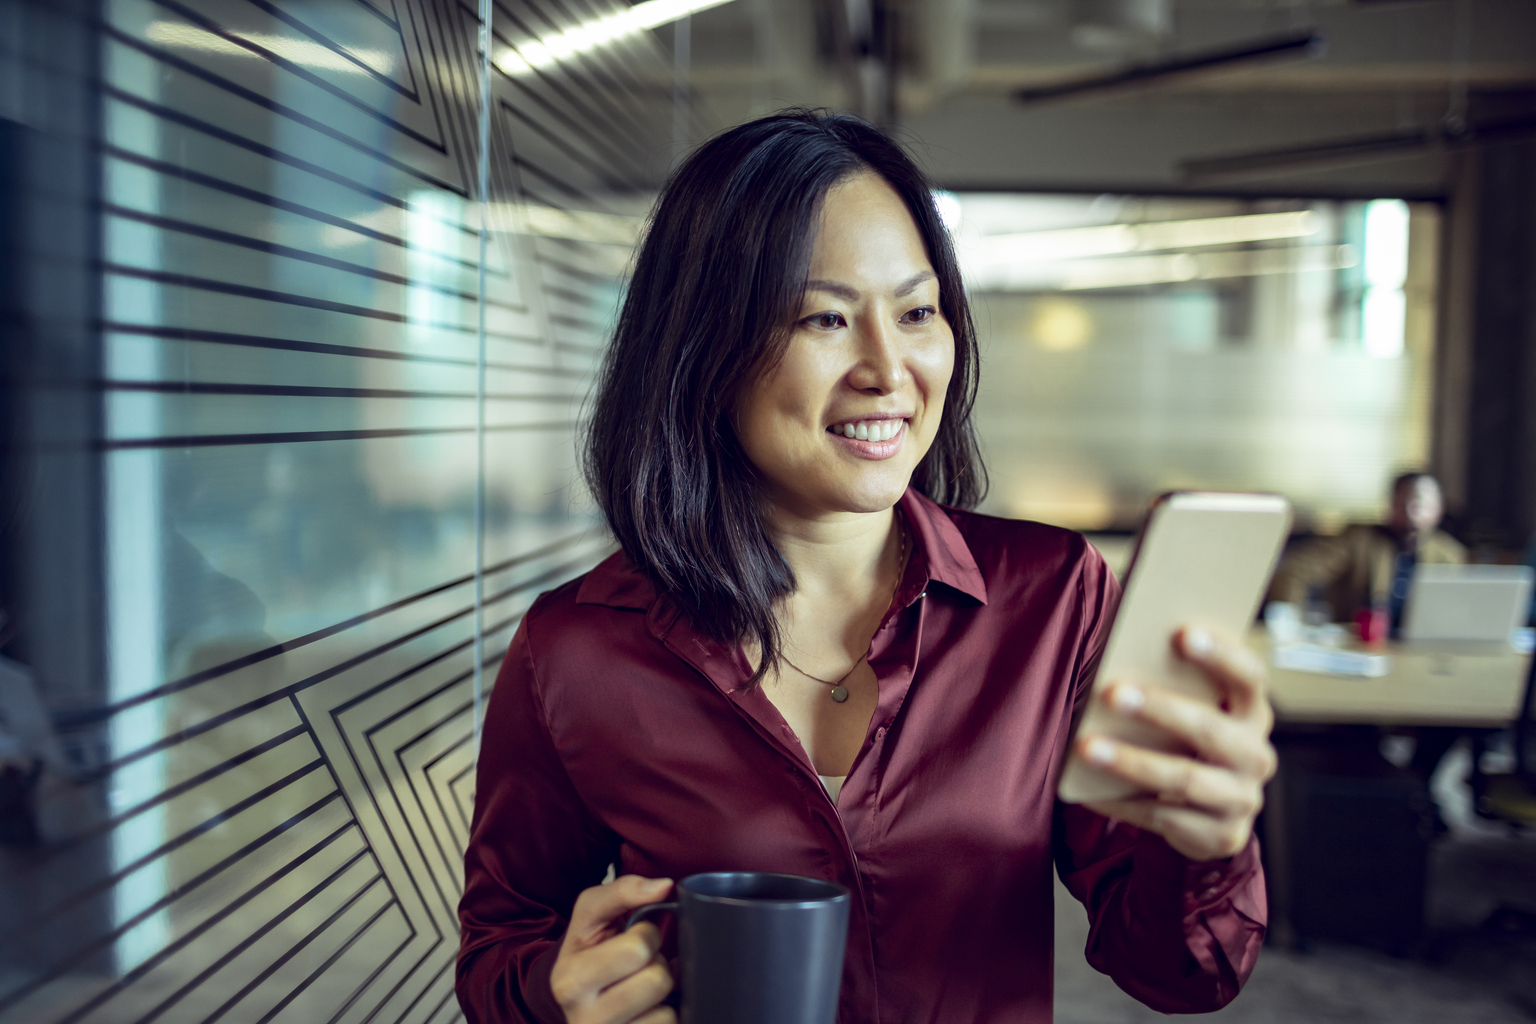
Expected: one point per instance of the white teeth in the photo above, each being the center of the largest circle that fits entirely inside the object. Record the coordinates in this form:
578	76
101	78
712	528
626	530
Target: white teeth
870	430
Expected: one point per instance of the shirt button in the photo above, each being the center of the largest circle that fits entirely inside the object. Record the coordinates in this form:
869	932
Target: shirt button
923	594
1208	894
1210	877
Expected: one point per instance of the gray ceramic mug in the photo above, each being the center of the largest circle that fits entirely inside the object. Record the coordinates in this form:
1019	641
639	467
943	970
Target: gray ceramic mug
758	948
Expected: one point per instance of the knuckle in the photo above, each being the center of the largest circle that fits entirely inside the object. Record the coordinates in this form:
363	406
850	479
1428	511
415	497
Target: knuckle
563	988
636	951
653	983
1186	777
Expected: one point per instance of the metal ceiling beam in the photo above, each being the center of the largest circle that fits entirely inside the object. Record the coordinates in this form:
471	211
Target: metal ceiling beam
1309	43
1359	149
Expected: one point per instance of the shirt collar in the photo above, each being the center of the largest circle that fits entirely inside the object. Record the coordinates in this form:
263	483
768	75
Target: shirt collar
943	555
616	582
937	539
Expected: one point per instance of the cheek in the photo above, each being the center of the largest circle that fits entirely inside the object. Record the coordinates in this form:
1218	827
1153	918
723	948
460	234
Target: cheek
936	365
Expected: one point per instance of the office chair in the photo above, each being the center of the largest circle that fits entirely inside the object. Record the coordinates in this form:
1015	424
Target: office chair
1511	796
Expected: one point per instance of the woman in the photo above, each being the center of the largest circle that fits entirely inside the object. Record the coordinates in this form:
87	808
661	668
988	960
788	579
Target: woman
802	663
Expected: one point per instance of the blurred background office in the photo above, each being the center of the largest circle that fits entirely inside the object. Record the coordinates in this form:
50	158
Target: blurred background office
301	299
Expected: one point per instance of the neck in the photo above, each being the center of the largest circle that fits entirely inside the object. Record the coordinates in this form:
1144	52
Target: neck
842	556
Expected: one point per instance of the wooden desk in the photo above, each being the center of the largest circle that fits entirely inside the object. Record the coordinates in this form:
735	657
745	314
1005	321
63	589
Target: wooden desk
1424	687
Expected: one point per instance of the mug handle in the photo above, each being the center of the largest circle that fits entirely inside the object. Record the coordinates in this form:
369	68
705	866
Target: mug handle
653	908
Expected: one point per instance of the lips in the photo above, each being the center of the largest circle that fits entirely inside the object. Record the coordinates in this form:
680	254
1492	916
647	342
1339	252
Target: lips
875	439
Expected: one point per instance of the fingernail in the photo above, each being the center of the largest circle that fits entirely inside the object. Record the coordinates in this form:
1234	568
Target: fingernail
1198	643
1099	751
1127	698
657	884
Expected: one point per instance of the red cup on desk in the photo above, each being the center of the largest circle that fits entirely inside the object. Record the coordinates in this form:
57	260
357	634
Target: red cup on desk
1372	625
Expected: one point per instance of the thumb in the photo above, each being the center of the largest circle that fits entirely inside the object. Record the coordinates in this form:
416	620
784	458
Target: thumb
598	910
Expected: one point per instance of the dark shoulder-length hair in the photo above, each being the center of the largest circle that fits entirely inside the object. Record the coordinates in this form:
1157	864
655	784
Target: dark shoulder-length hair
717	285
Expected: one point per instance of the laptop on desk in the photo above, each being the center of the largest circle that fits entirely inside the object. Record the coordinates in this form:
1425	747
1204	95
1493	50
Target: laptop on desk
1472	605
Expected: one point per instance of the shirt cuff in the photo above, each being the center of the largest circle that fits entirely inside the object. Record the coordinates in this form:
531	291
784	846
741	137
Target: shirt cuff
537	993
1204	884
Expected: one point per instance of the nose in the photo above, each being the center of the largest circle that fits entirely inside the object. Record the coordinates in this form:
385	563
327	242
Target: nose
881	368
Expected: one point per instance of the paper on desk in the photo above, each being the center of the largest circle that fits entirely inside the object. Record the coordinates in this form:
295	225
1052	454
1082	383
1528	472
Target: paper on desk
1330	661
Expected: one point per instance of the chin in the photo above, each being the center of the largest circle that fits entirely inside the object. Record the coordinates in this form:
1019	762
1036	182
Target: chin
873	495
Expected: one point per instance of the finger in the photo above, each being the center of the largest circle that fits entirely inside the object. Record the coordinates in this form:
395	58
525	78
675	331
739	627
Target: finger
584	973
637	994
1213	734
597	908
1176	779
1196	834
1235	670
660	1015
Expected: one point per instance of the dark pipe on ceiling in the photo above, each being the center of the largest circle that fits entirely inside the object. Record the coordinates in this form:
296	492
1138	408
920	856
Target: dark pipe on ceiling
1309	43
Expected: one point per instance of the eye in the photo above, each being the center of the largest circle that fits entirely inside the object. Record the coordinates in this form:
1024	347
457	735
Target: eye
920	315
825	321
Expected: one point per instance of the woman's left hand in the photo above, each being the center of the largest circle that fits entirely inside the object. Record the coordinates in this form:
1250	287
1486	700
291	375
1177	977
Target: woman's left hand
1203	805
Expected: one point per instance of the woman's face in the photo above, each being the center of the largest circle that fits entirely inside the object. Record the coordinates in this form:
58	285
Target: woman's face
870	356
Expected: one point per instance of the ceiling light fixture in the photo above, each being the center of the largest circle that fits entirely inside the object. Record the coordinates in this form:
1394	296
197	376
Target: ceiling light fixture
537	54
1113	239
304	52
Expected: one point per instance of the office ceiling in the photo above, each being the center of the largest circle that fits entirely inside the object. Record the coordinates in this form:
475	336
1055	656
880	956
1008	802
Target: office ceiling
1392	90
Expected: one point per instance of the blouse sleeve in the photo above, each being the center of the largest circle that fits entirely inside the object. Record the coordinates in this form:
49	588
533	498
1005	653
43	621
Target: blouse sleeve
533	847
1181	936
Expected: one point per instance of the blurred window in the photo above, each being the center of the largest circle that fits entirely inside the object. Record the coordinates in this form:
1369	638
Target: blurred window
1132	345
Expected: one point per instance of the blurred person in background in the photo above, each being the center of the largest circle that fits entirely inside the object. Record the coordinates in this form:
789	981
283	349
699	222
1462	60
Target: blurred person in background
808	658
1370	565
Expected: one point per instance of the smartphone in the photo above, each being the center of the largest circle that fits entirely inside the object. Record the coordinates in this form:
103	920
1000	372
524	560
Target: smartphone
1203	559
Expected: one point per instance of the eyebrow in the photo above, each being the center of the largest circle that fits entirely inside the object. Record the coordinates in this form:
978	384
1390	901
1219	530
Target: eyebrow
851	294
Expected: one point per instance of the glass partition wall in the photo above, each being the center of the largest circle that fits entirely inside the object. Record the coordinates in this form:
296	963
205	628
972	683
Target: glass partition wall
343	350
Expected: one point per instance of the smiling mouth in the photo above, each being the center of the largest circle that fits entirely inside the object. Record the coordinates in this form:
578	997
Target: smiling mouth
868	430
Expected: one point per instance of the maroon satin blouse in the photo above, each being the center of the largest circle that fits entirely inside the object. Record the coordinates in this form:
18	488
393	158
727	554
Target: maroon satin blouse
618	734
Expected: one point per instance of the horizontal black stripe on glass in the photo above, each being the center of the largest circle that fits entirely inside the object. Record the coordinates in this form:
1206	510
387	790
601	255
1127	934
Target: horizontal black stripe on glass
259	148
558	572
177	387
320	348
305	436
208	181
255	657
293	253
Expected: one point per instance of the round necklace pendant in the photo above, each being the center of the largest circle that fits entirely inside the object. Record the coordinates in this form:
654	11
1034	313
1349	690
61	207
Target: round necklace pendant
839	693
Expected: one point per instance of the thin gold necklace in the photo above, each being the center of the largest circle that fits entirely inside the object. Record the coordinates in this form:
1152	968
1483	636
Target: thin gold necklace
839	692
